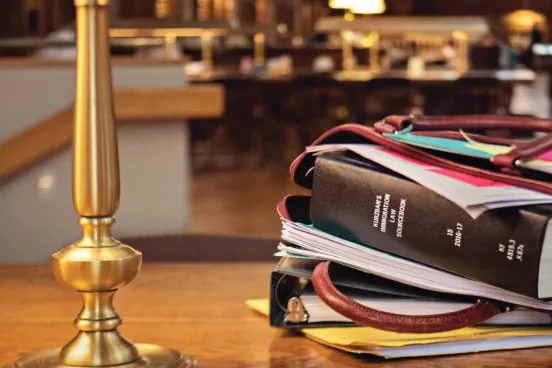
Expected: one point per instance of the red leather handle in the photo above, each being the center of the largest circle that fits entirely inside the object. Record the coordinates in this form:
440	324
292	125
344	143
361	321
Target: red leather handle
486	122
362	315
522	151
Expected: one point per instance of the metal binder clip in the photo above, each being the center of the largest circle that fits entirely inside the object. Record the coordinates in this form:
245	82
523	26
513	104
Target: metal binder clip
296	312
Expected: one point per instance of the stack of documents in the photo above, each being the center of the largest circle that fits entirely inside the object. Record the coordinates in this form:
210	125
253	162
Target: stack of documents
474	194
398	257
366	340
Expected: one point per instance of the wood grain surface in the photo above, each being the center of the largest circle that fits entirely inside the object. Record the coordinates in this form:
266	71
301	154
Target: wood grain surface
198	309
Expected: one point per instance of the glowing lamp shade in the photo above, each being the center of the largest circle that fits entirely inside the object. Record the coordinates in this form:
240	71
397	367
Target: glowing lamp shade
342	4
368	7
523	20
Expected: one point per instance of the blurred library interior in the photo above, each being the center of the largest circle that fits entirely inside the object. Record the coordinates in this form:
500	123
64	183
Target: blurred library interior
215	98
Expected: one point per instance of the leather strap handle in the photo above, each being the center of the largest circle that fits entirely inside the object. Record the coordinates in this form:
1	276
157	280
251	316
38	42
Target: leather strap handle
524	151
455	122
507	161
362	315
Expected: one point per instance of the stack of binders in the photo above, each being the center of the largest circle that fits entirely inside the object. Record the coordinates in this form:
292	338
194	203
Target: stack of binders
409	245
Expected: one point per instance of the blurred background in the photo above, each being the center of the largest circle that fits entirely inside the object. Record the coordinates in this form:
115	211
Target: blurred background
215	98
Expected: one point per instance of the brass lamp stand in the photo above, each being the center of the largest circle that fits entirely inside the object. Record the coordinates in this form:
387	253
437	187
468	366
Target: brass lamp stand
97	265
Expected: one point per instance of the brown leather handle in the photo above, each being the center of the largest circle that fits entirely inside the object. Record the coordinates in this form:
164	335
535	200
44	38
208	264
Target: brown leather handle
485	122
522	151
362	315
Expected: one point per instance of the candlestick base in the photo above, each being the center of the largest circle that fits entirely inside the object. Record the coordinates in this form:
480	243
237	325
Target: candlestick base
150	356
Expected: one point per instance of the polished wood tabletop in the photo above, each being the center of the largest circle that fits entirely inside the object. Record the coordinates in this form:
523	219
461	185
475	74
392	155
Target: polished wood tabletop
429	76
198	308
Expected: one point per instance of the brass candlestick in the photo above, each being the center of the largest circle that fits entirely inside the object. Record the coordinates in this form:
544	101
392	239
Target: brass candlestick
97	265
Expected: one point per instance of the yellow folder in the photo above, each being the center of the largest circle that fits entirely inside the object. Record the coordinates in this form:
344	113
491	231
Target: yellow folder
366	340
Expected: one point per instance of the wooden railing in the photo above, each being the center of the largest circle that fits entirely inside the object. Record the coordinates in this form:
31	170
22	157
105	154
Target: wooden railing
138	105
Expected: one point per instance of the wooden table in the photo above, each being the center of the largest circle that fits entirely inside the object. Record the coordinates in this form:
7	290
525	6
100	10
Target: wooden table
429	76
198	309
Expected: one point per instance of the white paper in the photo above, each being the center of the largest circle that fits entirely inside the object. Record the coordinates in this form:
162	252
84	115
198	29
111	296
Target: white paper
318	244
475	195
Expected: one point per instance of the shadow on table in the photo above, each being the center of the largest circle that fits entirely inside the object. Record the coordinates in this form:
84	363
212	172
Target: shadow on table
204	248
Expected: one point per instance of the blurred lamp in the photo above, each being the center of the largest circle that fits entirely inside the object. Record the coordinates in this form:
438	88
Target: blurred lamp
523	20
342	4
368	7
359	6
282	28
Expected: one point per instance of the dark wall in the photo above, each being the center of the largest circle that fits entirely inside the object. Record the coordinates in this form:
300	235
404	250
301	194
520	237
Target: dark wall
11	22
137	8
17	21
14	22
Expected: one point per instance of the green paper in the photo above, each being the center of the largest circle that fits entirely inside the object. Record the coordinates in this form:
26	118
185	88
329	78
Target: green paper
439	144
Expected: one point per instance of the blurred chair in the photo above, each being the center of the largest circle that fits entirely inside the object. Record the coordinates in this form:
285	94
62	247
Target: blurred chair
228	142
380	97
312	106
203	248
480	96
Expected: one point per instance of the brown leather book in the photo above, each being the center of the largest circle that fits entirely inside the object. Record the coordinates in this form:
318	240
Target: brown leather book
358	201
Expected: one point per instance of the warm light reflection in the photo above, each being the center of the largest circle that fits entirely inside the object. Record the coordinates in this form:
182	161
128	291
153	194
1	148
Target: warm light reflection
46	182
368	7
359	6
219	9
297	41
282	28
349	17
170	37
259	40
162	32
230	6
162	8
342	4
524	20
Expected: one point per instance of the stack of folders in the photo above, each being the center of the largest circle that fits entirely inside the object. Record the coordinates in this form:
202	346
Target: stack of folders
412	239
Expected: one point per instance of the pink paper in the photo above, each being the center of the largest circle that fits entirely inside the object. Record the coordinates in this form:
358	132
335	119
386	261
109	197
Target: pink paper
547	156
468	179
404	158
